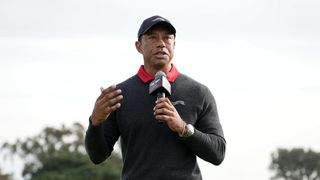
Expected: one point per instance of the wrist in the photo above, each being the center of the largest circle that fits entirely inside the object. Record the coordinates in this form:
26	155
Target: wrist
188	130
94	122
183	129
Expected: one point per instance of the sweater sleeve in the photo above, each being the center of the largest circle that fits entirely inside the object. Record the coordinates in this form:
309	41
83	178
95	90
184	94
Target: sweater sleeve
99	140
208	141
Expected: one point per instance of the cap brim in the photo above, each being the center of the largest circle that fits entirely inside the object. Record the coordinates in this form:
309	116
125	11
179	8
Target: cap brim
163	23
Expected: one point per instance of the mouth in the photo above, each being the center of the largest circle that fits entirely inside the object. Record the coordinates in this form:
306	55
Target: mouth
160	54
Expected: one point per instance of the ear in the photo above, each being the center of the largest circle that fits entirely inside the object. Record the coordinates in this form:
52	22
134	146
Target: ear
138	46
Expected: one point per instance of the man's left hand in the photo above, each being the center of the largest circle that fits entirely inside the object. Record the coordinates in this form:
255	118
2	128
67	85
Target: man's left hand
164	111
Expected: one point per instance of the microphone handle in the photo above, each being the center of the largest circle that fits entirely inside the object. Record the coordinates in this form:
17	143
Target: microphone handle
160	95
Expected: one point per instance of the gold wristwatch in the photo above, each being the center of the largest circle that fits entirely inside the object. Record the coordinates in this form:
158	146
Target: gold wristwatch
188	131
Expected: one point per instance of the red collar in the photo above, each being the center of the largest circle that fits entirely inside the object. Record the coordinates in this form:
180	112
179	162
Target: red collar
145	77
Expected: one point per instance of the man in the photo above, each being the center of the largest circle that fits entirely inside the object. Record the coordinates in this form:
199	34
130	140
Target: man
152	150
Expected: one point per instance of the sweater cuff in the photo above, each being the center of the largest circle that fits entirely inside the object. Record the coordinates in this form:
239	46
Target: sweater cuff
94	129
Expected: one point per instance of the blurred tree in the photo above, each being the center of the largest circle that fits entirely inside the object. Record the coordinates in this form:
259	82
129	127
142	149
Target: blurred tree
4	176
295	164
59	154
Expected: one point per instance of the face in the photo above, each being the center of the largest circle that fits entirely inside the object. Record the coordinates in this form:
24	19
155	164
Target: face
157	47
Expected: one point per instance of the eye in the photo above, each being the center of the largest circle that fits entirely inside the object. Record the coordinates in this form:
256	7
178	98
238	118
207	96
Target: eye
151	37
169	37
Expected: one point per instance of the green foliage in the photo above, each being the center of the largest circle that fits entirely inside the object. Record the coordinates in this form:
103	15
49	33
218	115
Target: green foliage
59	154
295	164
74	166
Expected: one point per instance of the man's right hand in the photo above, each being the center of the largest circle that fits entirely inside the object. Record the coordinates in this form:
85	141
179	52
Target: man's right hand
108	101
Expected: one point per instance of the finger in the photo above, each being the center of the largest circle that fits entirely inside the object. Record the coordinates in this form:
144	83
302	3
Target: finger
114	93
108	109
164	105
163	111
109	89
168	101
105	102
115	107
114	100
163	118
158	106
106	90
160	100
109	96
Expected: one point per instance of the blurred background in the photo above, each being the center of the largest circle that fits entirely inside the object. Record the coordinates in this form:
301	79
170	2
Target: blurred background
260	58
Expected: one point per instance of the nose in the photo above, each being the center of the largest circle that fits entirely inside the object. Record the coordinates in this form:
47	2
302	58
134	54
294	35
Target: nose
161	42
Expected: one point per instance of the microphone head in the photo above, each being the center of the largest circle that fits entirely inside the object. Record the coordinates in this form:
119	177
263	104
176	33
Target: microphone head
160	84
159	74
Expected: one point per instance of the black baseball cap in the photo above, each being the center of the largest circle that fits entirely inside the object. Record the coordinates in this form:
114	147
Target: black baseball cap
151	21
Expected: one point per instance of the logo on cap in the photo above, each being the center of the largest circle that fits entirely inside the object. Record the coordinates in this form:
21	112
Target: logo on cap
159	19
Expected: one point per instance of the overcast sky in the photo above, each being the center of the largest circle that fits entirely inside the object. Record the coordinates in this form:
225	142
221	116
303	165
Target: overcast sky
260	58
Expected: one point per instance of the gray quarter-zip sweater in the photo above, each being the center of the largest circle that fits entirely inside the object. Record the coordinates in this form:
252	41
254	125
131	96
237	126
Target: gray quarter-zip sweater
151	151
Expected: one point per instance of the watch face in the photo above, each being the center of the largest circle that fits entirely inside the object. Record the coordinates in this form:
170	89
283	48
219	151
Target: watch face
189	131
